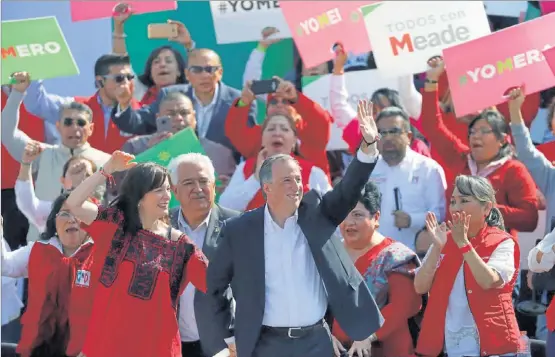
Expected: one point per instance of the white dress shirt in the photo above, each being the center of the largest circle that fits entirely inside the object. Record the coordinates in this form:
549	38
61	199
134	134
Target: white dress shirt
35	210
461	333
11	295
548	259
204	113
187	320
421	183
241	190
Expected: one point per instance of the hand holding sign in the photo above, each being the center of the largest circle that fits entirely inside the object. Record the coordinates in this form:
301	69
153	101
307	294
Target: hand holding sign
340	59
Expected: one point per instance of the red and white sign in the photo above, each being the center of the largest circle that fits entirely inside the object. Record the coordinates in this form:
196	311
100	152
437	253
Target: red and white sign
481	71
317	25
90	10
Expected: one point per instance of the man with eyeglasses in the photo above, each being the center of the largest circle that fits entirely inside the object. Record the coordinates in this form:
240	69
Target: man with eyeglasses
411	184
210	96
75	127
113	76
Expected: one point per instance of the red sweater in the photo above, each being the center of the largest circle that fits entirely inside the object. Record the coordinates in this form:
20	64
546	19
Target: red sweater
492	309
314	130
515	188
30	125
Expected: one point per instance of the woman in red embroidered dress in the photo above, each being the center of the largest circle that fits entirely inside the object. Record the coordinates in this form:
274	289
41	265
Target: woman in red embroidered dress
470	273
388	268
146	268
279	136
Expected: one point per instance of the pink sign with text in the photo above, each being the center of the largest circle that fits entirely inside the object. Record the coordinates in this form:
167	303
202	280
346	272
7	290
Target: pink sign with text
317	25
482	70
550	58
90	10
547	7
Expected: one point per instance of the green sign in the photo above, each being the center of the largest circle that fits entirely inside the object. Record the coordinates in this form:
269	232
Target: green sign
184	142
36	46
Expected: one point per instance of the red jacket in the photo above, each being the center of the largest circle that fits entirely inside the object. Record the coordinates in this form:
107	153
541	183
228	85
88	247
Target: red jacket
515	188
550	316
258	199
314	130
492	309
30	125
113	140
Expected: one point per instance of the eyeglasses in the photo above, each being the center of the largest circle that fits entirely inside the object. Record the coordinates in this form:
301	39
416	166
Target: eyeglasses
80	122
393	132
65	215
473	132
276	101
120	78
200	69
184	113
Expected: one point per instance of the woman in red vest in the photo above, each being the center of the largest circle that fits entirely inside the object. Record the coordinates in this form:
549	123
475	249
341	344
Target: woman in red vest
279	136
470	272
388	269
61	273
541	259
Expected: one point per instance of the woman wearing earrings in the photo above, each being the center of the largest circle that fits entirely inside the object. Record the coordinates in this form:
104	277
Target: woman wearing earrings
470	274
146	268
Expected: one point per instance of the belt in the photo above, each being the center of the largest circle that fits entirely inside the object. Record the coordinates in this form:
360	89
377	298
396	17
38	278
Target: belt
292	332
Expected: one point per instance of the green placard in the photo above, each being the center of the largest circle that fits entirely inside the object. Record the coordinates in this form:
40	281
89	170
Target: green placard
37	46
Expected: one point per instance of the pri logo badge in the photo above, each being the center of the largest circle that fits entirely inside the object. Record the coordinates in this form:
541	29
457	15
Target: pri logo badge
83	278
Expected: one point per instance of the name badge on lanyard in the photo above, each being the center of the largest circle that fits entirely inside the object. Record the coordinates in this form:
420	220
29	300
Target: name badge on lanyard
83	278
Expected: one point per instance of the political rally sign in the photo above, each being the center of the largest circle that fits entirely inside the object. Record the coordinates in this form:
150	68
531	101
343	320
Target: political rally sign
243	21
481	71
90	10
36	46
550	58
406	34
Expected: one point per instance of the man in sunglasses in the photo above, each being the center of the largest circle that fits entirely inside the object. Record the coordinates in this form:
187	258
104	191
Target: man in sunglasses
75	127
210	96
112	76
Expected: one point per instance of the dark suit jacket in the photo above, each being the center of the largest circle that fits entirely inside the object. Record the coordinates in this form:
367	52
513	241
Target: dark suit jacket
239	262
211	341
143	121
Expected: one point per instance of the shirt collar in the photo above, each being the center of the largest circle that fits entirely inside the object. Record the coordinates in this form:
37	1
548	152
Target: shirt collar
55	242
183	223
213	102
104	107
270	224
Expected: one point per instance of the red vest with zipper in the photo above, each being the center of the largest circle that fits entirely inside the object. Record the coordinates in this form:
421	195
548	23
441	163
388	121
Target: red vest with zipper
258	200
111	141
492	309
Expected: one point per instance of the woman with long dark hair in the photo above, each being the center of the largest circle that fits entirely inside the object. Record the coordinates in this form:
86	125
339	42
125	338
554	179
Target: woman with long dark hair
146	269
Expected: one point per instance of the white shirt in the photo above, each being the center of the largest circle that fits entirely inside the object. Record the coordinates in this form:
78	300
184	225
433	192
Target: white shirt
295	294
187	320
548	259
204	113
240	190
35	210
11	296
421	183
461	333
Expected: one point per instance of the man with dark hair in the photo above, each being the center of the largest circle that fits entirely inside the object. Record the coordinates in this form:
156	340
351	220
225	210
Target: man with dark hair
113	77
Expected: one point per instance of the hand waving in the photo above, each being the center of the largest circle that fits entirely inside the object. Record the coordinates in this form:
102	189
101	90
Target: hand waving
436	230
120	161
459	227
266	33
32	150
366	122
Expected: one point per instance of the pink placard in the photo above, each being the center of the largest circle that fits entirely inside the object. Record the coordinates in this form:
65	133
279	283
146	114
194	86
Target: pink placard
547	7
550	58
90	10
317	25
482	70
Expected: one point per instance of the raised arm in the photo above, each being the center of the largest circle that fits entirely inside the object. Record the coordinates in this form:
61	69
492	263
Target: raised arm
341	111
43	104
337	203
410	97
15	264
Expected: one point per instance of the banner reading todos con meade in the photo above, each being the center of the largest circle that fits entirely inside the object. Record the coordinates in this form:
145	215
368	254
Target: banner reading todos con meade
36	46
405	34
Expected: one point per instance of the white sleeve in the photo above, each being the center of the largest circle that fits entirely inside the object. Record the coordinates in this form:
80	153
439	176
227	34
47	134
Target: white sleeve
341	110
239	192
253	69
502	260
15	264
318	180
548	259
436	195
35	210
410	97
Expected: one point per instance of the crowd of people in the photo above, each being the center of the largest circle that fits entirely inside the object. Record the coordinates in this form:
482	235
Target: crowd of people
406	244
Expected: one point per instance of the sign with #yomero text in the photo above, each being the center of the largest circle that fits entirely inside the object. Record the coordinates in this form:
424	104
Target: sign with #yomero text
405	34
36	46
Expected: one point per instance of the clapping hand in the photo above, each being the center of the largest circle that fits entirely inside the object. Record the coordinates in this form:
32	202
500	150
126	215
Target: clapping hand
459	227
436	230
120	161
366	122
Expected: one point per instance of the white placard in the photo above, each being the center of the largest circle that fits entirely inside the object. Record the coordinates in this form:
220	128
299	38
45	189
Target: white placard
405	34
243	21
360	85
506	8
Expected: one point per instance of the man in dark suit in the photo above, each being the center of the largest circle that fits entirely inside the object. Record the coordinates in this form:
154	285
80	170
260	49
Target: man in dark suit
285	263
198	216
211	99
